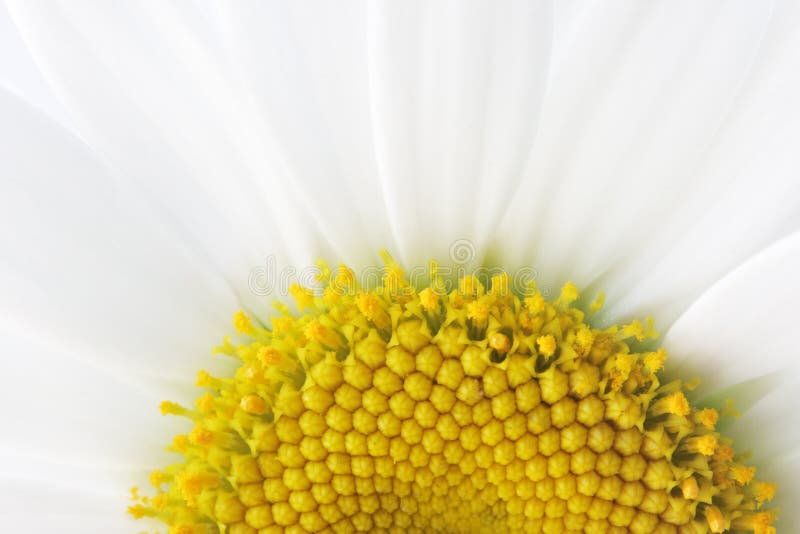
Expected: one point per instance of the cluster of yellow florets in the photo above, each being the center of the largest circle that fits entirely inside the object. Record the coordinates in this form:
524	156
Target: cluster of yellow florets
475	410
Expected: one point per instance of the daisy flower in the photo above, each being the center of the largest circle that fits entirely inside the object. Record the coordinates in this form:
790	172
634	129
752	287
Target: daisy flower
575	168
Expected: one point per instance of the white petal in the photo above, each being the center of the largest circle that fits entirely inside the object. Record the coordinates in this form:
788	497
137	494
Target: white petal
19	73
151	89
306	67
68	412
419	115
456	95
89	267
106	311
76	438
664	156
43	508
739	337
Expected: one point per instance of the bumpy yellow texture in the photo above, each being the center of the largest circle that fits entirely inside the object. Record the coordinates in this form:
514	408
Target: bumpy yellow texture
402	409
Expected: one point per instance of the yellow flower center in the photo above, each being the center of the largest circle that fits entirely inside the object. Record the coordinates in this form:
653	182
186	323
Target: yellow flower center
403	409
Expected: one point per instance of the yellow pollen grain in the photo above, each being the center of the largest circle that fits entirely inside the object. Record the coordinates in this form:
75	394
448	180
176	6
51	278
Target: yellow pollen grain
345	279
204	379
725	453
535	303
546	344
201	436
708	417
429	299
253	404
655	360
170	408
205	402
319	332
303	296
676	404
569	293
765	491
405	409
372	308
742	474
270	356
242	323
478	310
705	445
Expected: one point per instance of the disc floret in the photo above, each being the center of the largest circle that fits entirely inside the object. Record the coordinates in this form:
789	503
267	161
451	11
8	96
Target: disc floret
406	409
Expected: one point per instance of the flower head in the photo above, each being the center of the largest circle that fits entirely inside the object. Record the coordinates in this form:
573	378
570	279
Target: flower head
166	164
489	411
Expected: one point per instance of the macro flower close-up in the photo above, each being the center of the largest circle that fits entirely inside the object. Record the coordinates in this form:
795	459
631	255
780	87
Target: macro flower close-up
418	266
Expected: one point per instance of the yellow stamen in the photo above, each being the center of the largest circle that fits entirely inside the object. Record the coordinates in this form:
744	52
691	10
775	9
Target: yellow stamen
655	360
569	294
597	303
429	299
270	356
705	445
674	403
171	408
319	332
242	323
253	404
479	309
715	519
536	303
759	523
708	418
742	474
344	280
765	491
282	324
724	454
499	285
690	489
302	295
546	344
372	308
470	285
414	409
205	403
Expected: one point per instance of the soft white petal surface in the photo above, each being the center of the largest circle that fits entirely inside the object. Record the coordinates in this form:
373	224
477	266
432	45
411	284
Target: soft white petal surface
76	438
662	126
105	312
151	90
412	111
664	154
19	73
42	508
456	95
282	117
89	266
